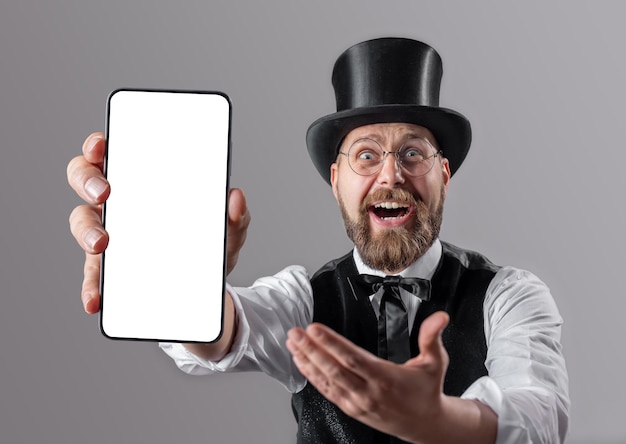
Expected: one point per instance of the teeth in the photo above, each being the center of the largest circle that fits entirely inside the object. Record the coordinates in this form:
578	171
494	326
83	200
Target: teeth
390	205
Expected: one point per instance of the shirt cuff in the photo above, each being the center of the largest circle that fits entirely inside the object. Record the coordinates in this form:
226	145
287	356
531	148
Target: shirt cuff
510	429
520	411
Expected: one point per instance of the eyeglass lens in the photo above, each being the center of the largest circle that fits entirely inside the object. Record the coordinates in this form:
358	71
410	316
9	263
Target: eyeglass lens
416	156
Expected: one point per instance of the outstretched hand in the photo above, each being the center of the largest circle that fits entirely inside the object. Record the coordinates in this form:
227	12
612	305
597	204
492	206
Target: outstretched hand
393	398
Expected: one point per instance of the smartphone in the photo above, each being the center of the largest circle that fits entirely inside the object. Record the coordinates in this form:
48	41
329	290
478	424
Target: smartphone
168	163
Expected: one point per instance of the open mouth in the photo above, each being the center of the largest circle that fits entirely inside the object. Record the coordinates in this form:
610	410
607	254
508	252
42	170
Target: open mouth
390	210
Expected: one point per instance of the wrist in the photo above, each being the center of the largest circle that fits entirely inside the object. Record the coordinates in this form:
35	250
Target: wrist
452	420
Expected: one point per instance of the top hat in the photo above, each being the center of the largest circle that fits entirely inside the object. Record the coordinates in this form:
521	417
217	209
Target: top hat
388	80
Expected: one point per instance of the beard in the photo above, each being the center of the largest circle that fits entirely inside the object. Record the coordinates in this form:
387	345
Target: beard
394	249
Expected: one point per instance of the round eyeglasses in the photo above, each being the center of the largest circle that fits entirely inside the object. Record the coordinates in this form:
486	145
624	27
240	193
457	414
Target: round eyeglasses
416	156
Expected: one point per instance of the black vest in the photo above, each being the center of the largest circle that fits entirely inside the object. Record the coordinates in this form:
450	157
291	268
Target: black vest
458	287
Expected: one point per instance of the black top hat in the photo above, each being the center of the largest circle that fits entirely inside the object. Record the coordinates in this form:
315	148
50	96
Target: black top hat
388	80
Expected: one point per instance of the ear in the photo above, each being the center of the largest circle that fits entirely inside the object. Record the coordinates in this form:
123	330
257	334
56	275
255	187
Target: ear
333	179
445	172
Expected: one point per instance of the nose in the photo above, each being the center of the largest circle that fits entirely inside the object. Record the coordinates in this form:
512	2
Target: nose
391	171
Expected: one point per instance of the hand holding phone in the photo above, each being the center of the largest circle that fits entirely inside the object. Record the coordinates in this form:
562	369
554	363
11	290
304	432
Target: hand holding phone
167	159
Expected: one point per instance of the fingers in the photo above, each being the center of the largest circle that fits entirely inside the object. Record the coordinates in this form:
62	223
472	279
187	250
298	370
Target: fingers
328	360
330	378
238	222
87	180
84	173
86	227
90	293
93	149
342	349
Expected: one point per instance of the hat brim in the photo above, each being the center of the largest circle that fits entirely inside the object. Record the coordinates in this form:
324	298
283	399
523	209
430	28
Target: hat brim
451	129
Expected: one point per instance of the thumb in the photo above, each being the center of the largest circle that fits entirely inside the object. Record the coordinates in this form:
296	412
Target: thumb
237	207
238	222
429	338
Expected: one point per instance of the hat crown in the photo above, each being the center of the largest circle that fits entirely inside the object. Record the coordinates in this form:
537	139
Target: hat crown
387	71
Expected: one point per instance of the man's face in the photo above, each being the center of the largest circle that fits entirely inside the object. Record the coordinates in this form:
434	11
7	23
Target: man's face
391	216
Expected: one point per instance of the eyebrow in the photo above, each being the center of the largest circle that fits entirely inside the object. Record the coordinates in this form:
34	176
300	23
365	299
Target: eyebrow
433	142
415	136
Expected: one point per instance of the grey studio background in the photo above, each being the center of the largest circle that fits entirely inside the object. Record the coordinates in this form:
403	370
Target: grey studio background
541	82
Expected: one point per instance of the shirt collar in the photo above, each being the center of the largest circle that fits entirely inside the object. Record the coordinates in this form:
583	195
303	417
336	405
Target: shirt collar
424	267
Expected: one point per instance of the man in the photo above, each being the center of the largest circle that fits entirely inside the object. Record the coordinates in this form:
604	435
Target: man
457	350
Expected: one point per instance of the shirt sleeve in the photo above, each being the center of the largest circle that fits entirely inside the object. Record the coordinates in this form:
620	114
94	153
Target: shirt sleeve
527	386
269	308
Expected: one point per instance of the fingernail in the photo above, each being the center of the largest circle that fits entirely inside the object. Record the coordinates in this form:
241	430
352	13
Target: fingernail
295	335
315	332
92	236
95	186
92	306
88	297
93	143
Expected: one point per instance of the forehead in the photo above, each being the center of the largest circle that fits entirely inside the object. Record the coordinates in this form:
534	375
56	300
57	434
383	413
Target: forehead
390	132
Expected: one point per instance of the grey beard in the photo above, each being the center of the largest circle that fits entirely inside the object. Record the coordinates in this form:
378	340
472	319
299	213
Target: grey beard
396	248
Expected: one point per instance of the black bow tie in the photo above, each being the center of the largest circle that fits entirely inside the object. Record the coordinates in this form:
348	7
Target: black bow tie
416	286
393	323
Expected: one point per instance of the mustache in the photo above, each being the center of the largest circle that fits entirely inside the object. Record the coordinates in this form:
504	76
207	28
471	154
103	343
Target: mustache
396	194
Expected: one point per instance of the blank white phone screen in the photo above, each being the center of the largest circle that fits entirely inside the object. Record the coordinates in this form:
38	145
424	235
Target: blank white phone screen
167	161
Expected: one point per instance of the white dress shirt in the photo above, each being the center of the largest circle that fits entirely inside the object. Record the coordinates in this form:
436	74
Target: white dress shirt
527	383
